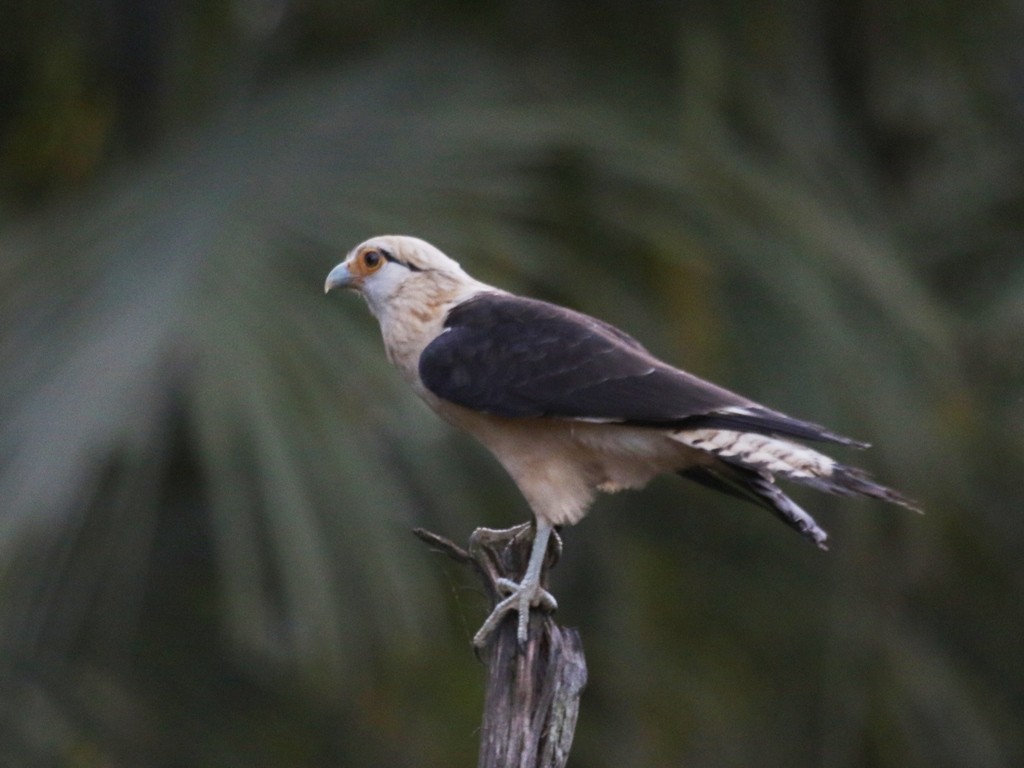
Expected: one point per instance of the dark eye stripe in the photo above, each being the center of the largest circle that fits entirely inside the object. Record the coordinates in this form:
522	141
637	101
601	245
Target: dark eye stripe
388	256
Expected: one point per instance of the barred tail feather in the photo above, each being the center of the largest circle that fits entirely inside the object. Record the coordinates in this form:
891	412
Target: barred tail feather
758	488
778	457
845	480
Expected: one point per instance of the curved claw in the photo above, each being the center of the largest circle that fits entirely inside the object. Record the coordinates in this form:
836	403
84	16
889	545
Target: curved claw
519	598
506	586
523	596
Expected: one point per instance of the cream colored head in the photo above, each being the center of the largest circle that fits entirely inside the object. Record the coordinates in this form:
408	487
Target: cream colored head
383	267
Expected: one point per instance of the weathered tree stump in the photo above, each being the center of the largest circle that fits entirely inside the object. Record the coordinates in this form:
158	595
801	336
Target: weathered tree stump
532	697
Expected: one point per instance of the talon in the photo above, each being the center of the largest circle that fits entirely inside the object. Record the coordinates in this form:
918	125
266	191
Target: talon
546	602
483	536
506	586
519	598
523	596
557	539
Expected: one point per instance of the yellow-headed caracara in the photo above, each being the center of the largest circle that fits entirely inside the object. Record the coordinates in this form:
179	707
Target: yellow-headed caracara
571	405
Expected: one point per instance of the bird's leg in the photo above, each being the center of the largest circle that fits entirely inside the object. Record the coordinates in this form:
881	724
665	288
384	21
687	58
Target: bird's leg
520	597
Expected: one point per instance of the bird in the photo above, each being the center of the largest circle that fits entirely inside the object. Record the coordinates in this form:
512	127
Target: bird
571	406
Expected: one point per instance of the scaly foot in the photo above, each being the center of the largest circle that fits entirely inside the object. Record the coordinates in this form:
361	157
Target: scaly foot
520	598
524	595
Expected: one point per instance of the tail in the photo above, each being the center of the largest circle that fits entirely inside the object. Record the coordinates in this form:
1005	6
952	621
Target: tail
749	462
851	481
758	488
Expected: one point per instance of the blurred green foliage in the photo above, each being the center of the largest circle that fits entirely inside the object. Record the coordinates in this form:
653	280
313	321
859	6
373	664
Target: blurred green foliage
208	473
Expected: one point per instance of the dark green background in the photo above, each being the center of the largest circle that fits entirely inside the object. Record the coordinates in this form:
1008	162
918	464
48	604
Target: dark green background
208	472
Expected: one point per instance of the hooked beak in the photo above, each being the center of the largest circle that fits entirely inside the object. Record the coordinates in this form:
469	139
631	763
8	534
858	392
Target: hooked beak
340	277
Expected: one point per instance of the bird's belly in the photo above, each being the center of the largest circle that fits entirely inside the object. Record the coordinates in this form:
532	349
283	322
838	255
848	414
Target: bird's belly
560	465
625	457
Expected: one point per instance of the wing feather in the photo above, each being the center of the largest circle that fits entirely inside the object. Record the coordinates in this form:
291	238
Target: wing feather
522	358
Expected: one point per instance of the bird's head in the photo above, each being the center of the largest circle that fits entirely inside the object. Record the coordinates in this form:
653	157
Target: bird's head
382	267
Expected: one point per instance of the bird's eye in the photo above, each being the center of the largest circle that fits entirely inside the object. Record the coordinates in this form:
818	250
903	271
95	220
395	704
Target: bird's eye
372	260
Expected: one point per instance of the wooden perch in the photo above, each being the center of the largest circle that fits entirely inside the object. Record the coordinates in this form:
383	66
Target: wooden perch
532	698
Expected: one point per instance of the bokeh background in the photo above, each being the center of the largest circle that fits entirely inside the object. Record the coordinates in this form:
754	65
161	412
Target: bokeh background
208	473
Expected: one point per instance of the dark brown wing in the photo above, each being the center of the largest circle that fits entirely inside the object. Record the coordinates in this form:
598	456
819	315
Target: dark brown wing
522	358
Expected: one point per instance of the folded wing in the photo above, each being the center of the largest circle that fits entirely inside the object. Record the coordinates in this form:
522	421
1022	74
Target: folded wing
521	358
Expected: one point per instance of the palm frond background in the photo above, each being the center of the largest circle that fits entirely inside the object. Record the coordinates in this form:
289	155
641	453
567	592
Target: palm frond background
208	473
